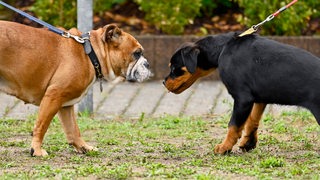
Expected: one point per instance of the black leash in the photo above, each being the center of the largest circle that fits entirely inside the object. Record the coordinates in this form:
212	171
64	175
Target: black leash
84	39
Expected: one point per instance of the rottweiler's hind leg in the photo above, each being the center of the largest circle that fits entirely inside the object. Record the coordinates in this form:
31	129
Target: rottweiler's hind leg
250	136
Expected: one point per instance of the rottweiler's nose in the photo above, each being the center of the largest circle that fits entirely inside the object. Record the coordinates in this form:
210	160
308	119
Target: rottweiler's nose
164	81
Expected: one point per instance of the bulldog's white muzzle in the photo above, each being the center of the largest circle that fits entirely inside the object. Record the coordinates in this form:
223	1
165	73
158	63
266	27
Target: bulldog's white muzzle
138	70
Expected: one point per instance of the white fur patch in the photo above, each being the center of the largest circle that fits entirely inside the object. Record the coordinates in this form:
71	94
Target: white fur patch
138	71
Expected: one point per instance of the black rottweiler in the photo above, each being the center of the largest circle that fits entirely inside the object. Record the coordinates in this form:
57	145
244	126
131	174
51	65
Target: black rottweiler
256	71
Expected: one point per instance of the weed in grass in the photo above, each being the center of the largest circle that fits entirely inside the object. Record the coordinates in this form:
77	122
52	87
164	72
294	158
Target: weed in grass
148	150
122	171
77	159
107	141
142	116
94	153
88	168
207	177
268	118
7	165
196	162
272	162
179	172
155	169
20	175
299	170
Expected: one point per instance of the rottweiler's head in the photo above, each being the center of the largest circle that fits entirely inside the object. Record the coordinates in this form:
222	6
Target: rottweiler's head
184	69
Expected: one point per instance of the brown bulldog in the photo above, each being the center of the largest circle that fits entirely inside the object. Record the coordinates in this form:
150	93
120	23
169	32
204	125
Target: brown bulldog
53	72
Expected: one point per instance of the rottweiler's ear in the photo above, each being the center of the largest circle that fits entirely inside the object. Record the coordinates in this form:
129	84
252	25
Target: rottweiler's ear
111	33
190	56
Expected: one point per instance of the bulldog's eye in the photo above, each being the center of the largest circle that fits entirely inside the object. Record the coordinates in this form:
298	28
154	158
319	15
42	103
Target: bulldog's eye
137	54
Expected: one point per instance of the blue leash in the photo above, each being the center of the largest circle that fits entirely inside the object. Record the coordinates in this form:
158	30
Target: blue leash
49	26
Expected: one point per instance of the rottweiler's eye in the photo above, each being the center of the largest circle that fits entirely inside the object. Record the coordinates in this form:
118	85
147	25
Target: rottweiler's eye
137	54
172	69
177	71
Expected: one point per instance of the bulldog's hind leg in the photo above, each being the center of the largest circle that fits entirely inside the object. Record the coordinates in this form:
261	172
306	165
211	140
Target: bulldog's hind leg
71	129
250	136
49	106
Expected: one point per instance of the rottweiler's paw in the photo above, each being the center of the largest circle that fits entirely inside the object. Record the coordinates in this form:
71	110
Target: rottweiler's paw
38	152
221	149
247	147
248	144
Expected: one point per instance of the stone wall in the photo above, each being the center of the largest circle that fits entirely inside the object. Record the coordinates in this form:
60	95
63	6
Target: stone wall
159	49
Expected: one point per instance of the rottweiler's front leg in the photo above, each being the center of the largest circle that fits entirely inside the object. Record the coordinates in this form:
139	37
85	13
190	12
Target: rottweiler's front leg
250	136
241	111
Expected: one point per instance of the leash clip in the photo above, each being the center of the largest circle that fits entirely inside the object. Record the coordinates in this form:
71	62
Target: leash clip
77	38
67	34
269	18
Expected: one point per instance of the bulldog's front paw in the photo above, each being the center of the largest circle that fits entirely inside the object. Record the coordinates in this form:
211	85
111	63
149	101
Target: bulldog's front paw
221	149
38	152
86	148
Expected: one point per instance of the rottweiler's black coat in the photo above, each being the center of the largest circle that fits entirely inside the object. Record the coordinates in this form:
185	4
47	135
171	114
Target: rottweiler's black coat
256	71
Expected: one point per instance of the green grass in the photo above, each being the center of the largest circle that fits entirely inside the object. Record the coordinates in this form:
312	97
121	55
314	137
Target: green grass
166	147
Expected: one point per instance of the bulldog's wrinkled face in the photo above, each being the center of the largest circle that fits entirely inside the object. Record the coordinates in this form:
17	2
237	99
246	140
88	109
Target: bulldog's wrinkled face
138	70
183	69
125	56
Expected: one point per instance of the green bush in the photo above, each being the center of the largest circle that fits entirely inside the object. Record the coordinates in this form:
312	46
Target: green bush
170	15
59	13
104	5
314	5
290	22
64	12
209	7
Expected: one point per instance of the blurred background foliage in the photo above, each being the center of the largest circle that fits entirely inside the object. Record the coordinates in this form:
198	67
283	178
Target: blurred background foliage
198	17
293	21
170	15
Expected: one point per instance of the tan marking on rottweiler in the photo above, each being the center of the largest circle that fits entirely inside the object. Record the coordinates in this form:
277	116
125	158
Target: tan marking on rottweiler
234	133
181	83
250	136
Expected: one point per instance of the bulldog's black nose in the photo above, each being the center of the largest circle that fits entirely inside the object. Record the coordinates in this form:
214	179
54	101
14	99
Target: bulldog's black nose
146	64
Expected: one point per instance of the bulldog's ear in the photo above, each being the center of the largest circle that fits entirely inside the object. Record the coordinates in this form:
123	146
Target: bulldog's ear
111	33
190	57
